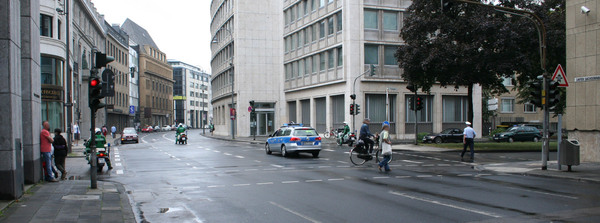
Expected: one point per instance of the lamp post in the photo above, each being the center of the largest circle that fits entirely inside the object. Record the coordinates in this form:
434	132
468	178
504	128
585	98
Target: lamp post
215	40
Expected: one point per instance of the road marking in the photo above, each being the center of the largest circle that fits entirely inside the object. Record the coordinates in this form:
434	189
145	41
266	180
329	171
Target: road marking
216	151
290	182
288	168
344	162
446	205
119	172
342	166
117	160
258	161
295	213
241	185
278	166
410	161
310	181
252	170
194	167
118	164
324	166
402	177
427	165
117	156
336	179
227	154
187	164
423	176
177	159
443	164
215	186
207	149
200	147
544	193
241	157
329	150
265	183
381	177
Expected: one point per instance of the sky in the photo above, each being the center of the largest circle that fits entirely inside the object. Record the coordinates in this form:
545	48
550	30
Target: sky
180	28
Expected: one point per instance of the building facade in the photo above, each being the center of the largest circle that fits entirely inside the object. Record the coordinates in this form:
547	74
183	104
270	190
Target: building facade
117	46
134	83
246	65
155	78
583	74
191	95
331	44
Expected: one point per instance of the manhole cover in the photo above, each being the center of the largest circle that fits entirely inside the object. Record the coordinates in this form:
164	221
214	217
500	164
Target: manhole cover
81	197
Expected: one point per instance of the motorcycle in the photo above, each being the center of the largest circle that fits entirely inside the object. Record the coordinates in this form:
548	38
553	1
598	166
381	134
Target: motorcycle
102	155
182	138
346	139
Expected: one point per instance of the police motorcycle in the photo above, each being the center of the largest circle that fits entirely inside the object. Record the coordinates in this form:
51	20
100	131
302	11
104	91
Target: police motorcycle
181	136
349	138
102	151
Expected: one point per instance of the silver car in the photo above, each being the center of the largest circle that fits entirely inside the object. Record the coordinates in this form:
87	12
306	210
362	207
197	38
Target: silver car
288	140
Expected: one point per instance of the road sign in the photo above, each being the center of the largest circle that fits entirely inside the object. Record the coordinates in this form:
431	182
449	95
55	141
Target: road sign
493	101
560	77
131	109
249	108
493	107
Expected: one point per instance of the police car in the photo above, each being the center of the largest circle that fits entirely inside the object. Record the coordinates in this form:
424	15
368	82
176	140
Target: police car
294	139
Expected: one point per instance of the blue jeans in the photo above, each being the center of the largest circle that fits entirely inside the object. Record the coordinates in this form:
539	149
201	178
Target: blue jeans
385	161
47	158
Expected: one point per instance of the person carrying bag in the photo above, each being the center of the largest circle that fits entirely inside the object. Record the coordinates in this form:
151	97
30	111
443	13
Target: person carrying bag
386	148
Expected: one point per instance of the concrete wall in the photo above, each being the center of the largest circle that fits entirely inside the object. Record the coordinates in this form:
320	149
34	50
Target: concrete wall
583	57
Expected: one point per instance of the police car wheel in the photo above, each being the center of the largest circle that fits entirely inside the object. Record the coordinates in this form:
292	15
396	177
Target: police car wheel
284	152
268	149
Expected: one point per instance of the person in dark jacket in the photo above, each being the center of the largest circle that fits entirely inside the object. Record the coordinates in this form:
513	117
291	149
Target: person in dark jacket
60	153
365	135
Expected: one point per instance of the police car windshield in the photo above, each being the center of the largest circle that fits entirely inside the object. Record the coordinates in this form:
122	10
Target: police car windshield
305	132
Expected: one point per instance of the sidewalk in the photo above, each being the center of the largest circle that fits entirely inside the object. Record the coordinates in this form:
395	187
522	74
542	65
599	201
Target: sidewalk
70	200
584	172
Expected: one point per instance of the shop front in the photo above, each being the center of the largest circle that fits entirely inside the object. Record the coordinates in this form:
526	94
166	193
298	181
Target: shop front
52	70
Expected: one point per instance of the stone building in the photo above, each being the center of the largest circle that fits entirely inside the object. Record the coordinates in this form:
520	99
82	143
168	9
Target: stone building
117	46
155	78
583	74
191	94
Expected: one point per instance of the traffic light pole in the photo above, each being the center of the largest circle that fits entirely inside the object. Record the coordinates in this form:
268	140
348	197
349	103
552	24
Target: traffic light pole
416	118
92	143
546	137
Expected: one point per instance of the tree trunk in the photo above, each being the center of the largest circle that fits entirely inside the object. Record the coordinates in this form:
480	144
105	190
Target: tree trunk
470	96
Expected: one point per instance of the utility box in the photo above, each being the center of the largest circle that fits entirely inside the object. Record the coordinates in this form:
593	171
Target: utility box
569	153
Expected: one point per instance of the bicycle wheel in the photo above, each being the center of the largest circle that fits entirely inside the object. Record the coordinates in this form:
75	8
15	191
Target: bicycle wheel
355	159
378	154
326	135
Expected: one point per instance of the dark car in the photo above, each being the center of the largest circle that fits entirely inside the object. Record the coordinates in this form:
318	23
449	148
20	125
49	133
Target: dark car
519	133
129	135
448	135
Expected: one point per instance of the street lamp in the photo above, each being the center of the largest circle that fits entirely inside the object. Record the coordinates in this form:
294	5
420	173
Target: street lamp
215	40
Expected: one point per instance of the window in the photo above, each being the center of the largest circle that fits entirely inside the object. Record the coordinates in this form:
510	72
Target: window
330	1
288	71
294	69
330	30
292	14
300	38
307	66
314	33
306	7
45	25
191	94
389	52
455	108
322	61
376	106
508	105
507	81
287	44
301	68
294	40
331	58
371	54
52	70
313	5
339	21
529	108
371	19
192	103
322	28
315	67
322	3
390	20
340	57
286	16
307	35
59	29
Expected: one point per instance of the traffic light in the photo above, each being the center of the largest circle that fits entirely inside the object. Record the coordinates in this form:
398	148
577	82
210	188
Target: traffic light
372	70
351	109
535	93
102	60
411	87
357	107
95	94
252	106
108	83
411	103
553	94
419	104
353	96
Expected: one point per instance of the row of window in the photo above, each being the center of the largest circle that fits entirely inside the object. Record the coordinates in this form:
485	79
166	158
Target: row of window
47	27
160	103
325	27
157	54
119	55
199	104
316	63
119	100
221	81
222	12
373	53
303	8
389	19
198	95
507	105
161	87
120	77
224	55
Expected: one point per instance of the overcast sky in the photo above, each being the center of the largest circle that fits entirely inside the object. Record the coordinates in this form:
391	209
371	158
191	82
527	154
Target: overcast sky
180	28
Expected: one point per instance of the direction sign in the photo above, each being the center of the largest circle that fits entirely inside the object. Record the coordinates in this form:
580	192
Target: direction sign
131	109
560	77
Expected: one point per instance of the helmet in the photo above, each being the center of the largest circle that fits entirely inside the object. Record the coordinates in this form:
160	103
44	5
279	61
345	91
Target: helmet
97	131
345	123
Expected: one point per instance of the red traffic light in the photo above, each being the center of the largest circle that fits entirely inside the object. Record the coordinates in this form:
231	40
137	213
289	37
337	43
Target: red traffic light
94	82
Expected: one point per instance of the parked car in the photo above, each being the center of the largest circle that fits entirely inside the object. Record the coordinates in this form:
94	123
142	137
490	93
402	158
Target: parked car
129	135
147	129
166	128
156	128
448	135
519	133
294	139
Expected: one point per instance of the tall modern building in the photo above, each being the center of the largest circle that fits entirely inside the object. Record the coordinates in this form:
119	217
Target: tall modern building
330	46
155	78
583	74
191	94
246	65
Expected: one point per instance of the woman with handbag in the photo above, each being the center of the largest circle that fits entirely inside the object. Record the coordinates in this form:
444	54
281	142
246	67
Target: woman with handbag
60	153
386	148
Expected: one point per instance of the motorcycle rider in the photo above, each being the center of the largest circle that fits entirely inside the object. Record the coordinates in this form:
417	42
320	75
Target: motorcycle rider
180	129
100	142
345	132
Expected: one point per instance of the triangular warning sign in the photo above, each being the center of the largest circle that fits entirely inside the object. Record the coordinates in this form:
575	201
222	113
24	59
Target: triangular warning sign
560	77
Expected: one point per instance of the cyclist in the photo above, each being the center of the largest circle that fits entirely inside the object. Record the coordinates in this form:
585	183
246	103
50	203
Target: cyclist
365	135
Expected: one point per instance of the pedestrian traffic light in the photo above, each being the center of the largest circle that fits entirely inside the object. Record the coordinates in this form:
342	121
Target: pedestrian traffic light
95	94
351	109
357	107
419	103
535	93
553	94
353	96
411	103
372	70
102	60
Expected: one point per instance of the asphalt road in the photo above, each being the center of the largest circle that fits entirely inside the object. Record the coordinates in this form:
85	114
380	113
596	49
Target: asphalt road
211	180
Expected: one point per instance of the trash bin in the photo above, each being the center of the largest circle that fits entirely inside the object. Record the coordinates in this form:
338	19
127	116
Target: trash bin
569	153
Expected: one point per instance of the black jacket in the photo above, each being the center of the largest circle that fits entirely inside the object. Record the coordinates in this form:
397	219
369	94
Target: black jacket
60	146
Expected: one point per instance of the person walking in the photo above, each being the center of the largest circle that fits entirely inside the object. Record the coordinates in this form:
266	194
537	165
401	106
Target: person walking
60	153
365	135
113	131
46	150
77	133
212	128
104	131
386	148
468	136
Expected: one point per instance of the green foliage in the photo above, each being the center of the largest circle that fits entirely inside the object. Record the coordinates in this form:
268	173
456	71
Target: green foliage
421	135
497	130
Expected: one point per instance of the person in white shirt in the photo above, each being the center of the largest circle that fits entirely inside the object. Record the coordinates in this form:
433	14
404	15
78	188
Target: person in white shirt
468	136
77	133
386	148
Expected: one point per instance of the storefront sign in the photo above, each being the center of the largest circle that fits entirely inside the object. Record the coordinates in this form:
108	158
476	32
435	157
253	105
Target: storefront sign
52	93
179	98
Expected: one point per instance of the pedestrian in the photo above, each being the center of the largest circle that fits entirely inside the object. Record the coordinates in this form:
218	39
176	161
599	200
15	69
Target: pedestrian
212	128
104	131
365	135
60	153
77	133
386	148
46	150
468	136
113	131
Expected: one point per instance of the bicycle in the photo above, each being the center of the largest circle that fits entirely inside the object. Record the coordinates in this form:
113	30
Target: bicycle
359	155
329	134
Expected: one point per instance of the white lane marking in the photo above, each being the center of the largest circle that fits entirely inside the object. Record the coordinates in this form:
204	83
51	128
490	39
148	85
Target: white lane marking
278	166
117	156
443	164
265	183
344	162
423	176
227	154
177	159
187	164
402	177
119	172
324	166
290	182
410	161
295	213
335	179
207	149
490	214
252	170
310	181
241	185
215	186
216	151
428	165
544	193
329	150
288	168
381	177
118	164
117	160
194	167
200	147
241	157
258	161
165	137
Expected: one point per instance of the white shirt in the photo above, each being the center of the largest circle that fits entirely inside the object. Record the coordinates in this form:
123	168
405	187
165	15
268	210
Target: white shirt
469	132
76	128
